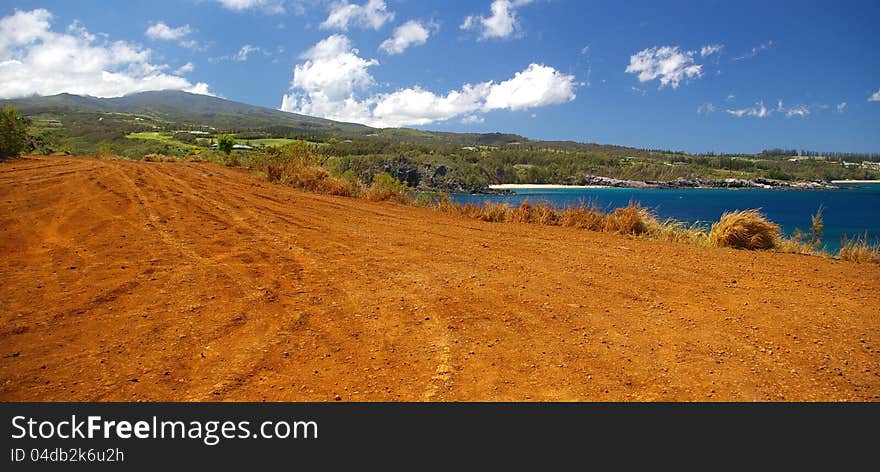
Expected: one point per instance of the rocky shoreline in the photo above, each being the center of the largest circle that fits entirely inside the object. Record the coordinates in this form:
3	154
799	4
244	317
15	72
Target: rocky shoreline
758	182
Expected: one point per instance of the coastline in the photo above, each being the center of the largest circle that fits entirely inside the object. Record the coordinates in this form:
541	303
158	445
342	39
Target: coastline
540	186
855	181
595	182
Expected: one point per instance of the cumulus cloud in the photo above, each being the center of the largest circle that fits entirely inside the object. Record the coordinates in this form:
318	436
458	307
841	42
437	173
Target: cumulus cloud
503	22
875	97
329	82
160	30
668	63
268	6
536	86
411	33
36	60
710	49
841	107
373	14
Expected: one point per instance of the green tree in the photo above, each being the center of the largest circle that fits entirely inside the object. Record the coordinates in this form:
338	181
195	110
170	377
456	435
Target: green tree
225	143
13	133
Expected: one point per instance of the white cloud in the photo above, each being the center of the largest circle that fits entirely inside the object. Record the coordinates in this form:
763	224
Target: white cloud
536	86
472	120
710	49
268	6
160	30
411	33
759	111
36	60
706	109
731	97
755	51
799	110
668	63
875	97
244	52
841	107
328	83
502	23
373	14
186	68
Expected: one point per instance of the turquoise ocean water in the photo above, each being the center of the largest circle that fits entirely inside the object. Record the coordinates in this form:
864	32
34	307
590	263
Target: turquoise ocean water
850	211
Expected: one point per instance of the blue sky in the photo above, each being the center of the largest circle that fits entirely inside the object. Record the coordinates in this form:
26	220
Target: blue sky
690	75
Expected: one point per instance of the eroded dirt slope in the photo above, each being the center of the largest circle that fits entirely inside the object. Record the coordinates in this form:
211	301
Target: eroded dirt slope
168	281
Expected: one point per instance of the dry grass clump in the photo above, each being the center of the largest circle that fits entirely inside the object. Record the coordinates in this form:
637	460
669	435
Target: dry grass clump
678	232
315	179
386	188
747	229
158	158
796	245
522	213
583	217
539	214
493	212
631	219
859	250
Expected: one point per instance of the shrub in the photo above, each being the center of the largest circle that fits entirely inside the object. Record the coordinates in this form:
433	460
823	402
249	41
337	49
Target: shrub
859	250
13	133
315	179
747	229
105	149
631	219
225	143
386	188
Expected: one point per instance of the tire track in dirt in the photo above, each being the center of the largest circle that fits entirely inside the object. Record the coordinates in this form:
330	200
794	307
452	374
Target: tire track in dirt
195	282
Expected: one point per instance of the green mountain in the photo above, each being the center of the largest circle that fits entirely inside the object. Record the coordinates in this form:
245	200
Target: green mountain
186	109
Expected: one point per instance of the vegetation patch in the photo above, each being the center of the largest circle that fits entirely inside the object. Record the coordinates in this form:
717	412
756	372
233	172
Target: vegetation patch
747	229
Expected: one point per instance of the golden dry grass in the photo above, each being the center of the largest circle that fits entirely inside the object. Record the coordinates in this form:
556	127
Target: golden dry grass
859	250
312	178
583	217
747	229
631	219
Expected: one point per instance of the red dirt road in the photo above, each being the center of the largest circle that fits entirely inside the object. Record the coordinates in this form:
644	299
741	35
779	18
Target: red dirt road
191	282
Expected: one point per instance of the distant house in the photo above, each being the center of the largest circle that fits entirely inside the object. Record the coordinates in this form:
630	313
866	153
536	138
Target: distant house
240	147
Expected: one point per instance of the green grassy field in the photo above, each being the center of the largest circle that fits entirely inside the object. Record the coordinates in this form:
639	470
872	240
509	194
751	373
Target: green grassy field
267	142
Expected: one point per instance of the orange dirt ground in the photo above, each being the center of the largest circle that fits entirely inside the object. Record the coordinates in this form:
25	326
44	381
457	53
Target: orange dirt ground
189	282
